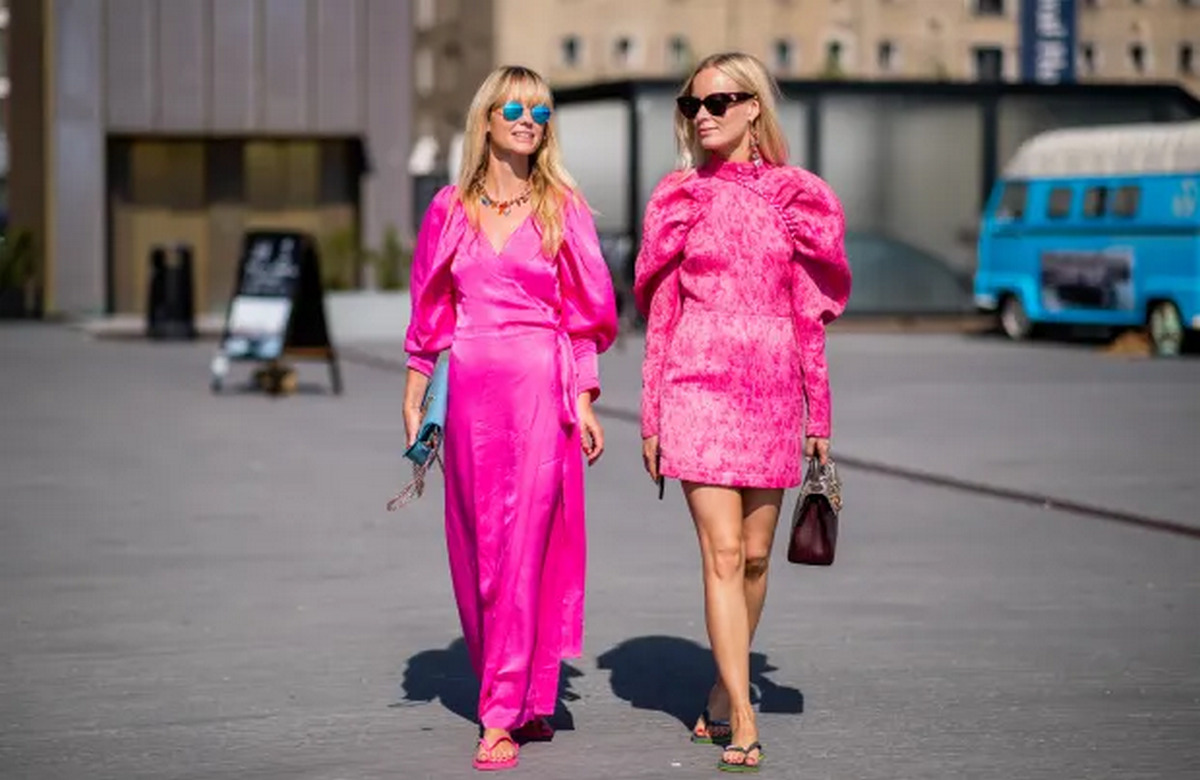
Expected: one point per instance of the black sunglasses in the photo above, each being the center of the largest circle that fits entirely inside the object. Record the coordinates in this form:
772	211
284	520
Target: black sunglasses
716	103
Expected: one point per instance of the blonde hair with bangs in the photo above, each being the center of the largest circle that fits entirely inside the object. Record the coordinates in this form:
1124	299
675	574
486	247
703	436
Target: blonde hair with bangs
748	72
551	184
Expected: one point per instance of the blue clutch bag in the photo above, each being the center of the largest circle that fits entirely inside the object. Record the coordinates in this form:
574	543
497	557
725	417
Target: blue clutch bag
433	420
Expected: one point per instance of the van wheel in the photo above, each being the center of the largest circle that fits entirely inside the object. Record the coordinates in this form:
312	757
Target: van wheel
1014	321
1166	329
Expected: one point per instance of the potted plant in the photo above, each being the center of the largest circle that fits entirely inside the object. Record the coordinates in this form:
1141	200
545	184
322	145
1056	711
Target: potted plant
393	262
16	273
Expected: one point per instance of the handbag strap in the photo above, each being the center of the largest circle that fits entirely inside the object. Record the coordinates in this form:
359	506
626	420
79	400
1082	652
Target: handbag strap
416	486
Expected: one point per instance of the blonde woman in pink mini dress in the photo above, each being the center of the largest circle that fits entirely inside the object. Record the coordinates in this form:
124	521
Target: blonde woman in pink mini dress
508	278
741	267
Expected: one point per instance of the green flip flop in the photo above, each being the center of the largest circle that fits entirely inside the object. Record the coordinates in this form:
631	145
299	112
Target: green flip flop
742	766
709	723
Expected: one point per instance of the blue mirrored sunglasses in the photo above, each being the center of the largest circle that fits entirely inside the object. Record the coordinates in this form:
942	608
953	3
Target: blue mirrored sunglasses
515	109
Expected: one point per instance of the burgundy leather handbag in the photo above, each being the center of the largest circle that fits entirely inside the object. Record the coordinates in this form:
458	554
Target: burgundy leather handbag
815	517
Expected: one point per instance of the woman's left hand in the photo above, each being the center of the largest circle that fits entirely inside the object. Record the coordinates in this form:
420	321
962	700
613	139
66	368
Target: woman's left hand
590	432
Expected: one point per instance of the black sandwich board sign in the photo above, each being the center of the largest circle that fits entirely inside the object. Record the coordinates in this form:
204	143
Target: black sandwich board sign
278	308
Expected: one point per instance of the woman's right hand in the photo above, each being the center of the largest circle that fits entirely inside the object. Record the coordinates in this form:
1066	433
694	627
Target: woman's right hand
650	456
412	424
414	391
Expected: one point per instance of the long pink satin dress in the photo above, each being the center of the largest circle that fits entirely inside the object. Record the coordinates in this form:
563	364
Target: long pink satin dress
739	271
523	332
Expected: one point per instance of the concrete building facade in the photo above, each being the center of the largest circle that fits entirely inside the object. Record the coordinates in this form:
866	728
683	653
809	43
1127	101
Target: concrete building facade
154	122
577	42
5	88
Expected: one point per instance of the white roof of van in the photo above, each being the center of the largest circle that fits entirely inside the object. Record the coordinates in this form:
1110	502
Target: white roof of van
1113	150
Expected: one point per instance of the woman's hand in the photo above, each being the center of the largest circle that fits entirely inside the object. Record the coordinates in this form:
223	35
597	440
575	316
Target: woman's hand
817	446
650	456
590	432
414	391
412	424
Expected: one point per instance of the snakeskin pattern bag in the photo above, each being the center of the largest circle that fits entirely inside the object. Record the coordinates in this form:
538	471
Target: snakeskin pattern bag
815	518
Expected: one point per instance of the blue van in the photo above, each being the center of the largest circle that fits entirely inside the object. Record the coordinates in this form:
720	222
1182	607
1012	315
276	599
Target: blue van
1097	226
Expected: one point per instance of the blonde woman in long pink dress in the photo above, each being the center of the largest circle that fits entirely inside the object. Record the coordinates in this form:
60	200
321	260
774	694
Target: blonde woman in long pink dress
508	276
741	267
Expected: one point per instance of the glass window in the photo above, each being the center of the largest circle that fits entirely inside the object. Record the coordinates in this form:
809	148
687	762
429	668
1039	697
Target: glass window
281	174
169	174
678	53
426	14
623	51
225	171
989	63
784	55
570	49
1012	200
1094	199
1087	58
424	71
886	56
1059	203
834	51
1125	200
1137	57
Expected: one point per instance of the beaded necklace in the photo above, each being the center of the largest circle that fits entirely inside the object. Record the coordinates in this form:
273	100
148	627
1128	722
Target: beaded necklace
503	207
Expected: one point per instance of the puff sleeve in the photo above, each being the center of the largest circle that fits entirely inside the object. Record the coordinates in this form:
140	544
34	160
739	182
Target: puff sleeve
821	281
431	288
670	213
589	307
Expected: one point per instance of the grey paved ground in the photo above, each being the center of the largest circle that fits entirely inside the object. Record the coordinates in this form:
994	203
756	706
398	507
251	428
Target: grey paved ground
201	587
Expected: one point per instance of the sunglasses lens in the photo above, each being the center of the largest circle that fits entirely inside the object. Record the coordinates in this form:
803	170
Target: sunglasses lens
541	114
688	106
716	104
512	111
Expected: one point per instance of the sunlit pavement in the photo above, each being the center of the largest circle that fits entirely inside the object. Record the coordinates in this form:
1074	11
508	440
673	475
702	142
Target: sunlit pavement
198	586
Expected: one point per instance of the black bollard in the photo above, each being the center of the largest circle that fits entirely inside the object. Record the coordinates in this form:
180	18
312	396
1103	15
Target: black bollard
170	309
156	293
184	299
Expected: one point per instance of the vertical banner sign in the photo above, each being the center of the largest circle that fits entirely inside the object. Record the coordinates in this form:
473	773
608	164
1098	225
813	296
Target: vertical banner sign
1048	41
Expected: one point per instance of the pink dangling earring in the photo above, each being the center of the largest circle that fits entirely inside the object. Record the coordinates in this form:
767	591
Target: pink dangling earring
755	157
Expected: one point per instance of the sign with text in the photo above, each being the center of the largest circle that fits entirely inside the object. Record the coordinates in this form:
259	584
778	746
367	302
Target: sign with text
278	305
268	280
1048	40
1073	279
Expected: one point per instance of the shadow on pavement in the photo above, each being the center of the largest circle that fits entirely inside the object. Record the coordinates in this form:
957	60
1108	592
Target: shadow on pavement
446	675
673	675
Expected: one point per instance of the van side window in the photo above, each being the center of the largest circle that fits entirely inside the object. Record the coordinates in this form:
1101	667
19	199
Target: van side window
1125	200
1012	201
1093	201
1059	203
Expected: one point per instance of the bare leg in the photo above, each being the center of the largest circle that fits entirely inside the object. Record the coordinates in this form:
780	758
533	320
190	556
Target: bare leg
760	517
717	513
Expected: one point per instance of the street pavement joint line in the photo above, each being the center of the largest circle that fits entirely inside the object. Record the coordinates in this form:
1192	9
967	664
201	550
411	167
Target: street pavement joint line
980	488
898	472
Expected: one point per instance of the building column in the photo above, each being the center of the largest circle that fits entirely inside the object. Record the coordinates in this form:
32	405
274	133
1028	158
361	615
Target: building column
27	127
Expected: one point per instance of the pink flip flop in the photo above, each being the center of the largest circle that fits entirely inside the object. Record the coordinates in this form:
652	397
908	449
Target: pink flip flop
487	766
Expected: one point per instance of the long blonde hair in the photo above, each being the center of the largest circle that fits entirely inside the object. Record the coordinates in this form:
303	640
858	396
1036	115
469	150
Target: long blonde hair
748	72
551	184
